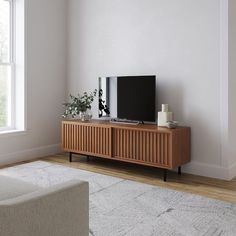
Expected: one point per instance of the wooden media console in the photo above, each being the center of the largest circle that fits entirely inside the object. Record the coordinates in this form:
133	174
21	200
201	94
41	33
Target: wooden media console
141	144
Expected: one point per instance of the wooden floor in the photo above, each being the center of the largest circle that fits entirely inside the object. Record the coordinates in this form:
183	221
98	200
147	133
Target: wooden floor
213	188
208	187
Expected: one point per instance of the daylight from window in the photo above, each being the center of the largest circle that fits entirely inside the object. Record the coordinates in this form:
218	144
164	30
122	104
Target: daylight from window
5	64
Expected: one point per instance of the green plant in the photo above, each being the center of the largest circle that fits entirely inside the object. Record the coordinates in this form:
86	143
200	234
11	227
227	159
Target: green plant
78	104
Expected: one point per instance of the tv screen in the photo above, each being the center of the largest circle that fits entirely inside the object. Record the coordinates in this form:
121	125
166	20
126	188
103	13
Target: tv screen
128	97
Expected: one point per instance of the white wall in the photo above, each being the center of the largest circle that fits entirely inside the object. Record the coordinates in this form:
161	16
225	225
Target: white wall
232	85
45	82
178	40
181	41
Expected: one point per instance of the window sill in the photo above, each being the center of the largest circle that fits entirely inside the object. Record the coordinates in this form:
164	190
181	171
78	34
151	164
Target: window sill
13	132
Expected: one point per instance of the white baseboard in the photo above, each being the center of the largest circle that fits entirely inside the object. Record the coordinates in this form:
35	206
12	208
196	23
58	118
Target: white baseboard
208	170
196	168
232	171
29	154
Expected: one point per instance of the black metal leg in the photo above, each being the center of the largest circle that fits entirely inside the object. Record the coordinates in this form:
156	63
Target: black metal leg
179	170
164	174
88	158
70	156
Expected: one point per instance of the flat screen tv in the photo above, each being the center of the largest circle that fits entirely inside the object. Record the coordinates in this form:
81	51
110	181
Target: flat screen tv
128	97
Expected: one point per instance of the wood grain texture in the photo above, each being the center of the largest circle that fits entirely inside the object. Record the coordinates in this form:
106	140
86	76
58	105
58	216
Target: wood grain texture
147	142
142	144
86	139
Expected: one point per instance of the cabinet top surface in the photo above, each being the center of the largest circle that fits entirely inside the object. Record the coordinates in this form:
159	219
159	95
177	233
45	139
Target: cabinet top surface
130	126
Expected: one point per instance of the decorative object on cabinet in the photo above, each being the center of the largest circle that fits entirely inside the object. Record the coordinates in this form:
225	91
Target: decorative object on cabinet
164	115
79	105
172	124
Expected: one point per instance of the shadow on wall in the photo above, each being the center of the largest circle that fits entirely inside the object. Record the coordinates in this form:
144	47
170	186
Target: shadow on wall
205	138
169	92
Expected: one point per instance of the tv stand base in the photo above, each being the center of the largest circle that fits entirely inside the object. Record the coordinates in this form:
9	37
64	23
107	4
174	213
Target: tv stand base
165	171
146	144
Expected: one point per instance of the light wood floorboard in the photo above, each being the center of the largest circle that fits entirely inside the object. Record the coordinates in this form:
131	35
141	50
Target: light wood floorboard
208	187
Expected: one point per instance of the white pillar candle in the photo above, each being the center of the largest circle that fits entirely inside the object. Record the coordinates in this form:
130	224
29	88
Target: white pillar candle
164	107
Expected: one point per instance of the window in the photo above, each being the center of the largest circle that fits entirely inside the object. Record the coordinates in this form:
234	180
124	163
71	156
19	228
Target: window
7	66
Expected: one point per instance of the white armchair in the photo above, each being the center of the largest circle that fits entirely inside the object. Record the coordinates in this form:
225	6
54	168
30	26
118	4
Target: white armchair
28	210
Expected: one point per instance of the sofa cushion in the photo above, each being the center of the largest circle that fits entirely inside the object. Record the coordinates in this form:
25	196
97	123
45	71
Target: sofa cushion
11	188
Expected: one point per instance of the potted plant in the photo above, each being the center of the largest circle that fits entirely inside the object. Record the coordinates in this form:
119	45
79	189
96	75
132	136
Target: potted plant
79	105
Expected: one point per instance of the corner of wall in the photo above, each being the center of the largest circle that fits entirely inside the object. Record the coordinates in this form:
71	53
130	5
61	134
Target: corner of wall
232	171
207	170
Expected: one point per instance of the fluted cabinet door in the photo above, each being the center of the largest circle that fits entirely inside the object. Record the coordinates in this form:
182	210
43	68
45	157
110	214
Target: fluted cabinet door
86	139
142	146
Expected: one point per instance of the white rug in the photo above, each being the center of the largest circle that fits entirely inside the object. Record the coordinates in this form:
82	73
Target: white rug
121	207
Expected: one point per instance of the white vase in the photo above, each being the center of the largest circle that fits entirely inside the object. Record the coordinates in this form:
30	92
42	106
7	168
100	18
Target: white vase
164	115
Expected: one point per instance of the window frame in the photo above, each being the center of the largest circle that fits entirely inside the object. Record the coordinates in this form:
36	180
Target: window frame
11	119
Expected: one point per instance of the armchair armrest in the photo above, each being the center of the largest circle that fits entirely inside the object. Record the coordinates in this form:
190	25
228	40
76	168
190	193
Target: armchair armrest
60	210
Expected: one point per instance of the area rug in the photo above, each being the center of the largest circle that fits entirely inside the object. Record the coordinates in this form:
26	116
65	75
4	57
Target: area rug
121	207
